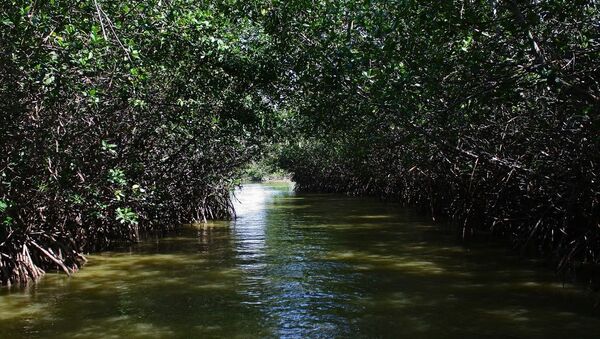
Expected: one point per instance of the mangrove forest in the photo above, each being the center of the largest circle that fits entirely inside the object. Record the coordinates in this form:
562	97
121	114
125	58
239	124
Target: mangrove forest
427	151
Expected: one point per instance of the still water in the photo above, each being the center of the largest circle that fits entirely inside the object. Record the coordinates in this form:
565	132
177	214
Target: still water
303	266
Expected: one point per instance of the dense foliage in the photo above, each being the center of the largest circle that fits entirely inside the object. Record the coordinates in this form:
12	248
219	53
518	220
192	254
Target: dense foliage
121	118
484	112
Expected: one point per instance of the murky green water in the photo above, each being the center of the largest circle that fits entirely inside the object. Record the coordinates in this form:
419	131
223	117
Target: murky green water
303	266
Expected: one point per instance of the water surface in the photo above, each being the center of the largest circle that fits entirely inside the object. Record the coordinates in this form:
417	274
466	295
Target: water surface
303	266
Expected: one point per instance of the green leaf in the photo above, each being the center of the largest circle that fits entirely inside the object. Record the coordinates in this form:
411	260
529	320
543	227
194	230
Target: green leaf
8	221
48	80
126	216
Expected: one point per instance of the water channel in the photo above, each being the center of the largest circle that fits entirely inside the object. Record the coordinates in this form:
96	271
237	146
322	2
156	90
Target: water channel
303	266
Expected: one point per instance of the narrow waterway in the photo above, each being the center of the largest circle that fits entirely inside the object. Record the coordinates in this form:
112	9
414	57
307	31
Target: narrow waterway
303	266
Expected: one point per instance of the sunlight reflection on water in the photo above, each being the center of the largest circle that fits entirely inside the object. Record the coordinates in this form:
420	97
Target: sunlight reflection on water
251	199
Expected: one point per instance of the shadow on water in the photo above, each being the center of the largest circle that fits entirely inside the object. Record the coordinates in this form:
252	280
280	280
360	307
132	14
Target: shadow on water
303	266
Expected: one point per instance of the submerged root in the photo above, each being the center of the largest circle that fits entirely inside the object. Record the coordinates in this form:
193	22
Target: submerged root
27	253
